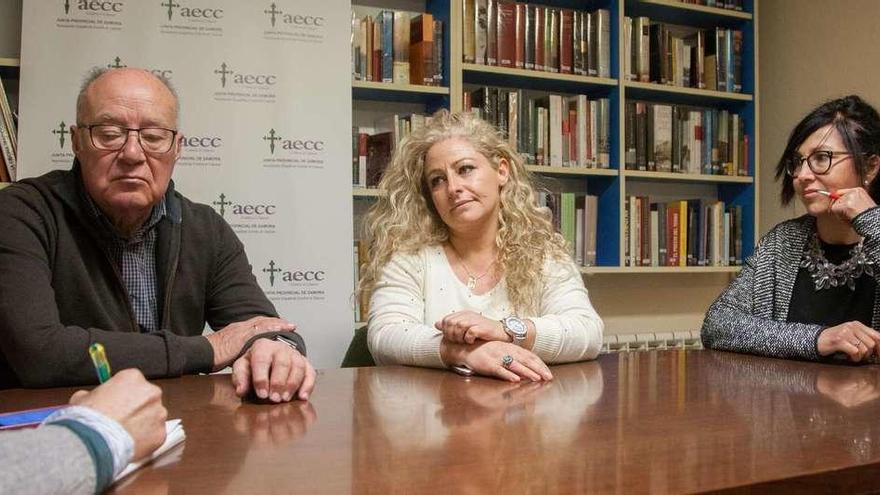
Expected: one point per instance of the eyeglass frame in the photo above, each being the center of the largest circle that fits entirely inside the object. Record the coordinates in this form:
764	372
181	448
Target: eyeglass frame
801	159
128	131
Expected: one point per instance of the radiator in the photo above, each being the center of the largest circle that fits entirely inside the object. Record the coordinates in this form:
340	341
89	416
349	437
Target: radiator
647	341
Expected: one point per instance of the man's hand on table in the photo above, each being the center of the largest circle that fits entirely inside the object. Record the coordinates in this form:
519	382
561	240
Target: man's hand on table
275	370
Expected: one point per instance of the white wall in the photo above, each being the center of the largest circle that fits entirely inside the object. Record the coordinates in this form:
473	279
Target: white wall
811	51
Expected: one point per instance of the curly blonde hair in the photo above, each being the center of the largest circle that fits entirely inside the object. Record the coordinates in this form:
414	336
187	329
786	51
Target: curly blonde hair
404	219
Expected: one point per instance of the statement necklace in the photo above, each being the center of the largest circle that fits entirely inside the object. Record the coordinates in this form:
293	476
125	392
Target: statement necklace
826	275
472	279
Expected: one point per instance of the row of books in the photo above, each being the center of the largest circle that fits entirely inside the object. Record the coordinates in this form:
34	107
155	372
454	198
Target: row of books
721	4
397	47
694	232
683	56
691	140
575	216
528	36
548	129
8	138
372	147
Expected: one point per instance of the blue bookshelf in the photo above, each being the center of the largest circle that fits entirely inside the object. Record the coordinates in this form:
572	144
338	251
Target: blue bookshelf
736	190
614	184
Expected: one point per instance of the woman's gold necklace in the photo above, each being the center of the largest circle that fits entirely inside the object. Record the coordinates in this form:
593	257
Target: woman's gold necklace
472	279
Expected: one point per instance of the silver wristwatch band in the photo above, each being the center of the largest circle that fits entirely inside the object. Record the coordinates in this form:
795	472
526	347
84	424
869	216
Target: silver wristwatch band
285	340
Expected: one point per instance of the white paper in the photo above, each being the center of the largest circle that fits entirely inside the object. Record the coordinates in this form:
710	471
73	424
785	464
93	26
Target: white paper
174	434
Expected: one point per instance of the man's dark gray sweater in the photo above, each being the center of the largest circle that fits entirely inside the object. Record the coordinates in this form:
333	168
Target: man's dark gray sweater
59	292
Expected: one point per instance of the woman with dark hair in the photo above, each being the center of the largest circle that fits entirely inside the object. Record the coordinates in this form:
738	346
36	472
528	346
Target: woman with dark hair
808	291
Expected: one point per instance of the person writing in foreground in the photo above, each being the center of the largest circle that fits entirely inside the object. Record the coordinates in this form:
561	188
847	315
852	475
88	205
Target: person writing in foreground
82	448
109	251
464	267
809	290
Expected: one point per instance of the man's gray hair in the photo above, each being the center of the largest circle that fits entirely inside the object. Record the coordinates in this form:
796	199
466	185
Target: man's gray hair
97	72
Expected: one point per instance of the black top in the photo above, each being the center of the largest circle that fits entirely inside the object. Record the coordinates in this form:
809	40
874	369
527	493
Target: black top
834	305
59	291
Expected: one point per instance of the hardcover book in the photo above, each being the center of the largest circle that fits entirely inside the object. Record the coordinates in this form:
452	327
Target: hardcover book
506	33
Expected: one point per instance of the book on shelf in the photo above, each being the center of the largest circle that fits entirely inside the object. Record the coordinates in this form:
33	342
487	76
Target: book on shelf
566	41
520	35
684	56
506	32
523	35
380	148
491	32
359	157
372	147
400	66
602	41
421	50
662	137
386	47
684	139
393	46
537	33
480	20
469	43
575	217
548	129
696	232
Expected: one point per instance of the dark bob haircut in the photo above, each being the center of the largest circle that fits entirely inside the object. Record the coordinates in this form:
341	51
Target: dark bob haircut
858	124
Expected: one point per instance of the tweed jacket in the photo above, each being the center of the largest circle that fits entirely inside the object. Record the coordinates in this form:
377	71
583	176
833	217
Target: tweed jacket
750	315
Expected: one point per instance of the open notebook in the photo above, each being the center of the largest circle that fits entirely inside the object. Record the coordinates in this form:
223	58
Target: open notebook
174	434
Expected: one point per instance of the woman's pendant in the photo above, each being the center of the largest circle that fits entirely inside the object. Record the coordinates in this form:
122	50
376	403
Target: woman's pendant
471	283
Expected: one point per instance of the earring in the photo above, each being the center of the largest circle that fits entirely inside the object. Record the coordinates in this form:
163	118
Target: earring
866	182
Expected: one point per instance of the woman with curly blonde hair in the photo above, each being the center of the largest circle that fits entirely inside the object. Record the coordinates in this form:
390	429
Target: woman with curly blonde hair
465	270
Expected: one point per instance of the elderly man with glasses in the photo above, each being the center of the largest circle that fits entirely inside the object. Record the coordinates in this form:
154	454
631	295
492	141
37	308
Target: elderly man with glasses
110	252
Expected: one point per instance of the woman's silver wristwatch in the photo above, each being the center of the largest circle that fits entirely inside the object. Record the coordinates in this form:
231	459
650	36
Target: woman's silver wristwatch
516	328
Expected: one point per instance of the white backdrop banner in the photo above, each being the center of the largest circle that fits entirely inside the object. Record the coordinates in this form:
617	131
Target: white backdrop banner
265	98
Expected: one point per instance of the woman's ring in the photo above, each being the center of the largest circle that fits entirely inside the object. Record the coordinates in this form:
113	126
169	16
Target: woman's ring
507	360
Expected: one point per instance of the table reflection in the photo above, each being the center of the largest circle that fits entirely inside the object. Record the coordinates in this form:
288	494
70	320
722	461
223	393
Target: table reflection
247	431
473	429
825	406
700	420
641	422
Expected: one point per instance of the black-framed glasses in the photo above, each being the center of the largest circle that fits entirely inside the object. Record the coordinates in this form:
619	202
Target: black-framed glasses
109	137
820	162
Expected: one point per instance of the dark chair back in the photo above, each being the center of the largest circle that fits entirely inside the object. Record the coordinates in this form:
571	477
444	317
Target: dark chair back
358	354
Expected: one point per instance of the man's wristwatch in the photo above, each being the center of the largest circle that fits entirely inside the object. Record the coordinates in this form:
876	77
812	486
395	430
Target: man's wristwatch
516	328
286	340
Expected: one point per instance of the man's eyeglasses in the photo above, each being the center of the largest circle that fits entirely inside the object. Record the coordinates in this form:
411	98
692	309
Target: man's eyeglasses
820	162
113	137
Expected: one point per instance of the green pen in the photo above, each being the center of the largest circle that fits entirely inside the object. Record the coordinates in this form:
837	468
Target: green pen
99	358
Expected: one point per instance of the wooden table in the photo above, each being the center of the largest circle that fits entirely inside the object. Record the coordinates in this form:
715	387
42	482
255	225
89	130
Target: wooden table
664	421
